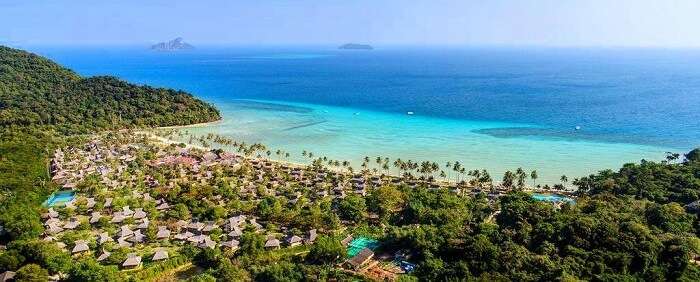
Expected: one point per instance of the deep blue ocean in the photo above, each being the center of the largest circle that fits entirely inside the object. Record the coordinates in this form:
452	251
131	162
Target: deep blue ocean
648	98
644	96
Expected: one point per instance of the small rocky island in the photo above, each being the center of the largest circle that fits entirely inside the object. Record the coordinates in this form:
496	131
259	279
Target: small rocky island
172	45
353	46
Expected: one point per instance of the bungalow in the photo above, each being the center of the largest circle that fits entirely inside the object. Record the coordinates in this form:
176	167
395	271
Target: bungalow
180	224
232	244
160	255
80	246
72	224
126	211
7	276
90	203
346	241
95	217
207	243
294	241
104	256
104	238
255	224
133	261
195	226
183	236
144	223
139	214
693	207
162	206
272	243
236	232
52	213
196	239
311	236
117	217
125	231
108	203
137	238
54	229
163	233
209	226
121	241
361	258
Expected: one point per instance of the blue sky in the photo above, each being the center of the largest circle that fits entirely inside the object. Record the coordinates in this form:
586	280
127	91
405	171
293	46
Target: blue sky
657	23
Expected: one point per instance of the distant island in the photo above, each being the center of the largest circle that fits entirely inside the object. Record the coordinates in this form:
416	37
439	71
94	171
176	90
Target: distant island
353	46
172	45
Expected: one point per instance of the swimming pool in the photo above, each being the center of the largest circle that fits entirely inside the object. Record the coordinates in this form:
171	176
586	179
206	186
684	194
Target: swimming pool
59	198
360	243
552	198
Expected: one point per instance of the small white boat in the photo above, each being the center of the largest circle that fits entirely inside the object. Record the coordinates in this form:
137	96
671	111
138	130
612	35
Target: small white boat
357	114
578	127
409	113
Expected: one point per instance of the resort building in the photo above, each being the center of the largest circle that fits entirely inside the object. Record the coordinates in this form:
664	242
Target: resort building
361	258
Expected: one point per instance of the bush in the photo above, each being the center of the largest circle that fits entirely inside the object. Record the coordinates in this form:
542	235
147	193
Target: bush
32	273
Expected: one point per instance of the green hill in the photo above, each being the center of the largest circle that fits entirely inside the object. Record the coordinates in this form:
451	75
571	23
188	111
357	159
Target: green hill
36	92
43	104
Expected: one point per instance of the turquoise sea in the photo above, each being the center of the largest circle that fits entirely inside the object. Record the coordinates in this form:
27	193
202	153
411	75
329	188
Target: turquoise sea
492	108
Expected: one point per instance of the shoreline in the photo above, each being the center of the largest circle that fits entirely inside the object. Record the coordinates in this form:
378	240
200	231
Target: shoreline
203	124
442	182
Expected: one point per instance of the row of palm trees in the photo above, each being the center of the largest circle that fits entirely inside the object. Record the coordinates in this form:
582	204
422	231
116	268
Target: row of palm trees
406	169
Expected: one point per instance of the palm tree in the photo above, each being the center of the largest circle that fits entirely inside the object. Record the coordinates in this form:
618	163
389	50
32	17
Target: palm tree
456	167
397	164
564	180
520	175
508	178
476	174
534	176
448	166
486	178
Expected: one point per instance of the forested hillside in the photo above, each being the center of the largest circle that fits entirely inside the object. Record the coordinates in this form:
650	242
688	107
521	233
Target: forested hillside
42	104
37	93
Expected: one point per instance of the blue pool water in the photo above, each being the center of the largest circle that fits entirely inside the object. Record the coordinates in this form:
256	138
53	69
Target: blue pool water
491	108
552	198
360	243
59	198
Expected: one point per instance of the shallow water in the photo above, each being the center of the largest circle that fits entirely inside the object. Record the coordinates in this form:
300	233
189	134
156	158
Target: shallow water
492	108
351	134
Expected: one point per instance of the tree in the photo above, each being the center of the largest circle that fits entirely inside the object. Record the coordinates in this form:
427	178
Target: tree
670	217
508	178
326	250
534	177
32	273
520	175
90	270
385	200
353	208
279	272
251	243
693	156
227	271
